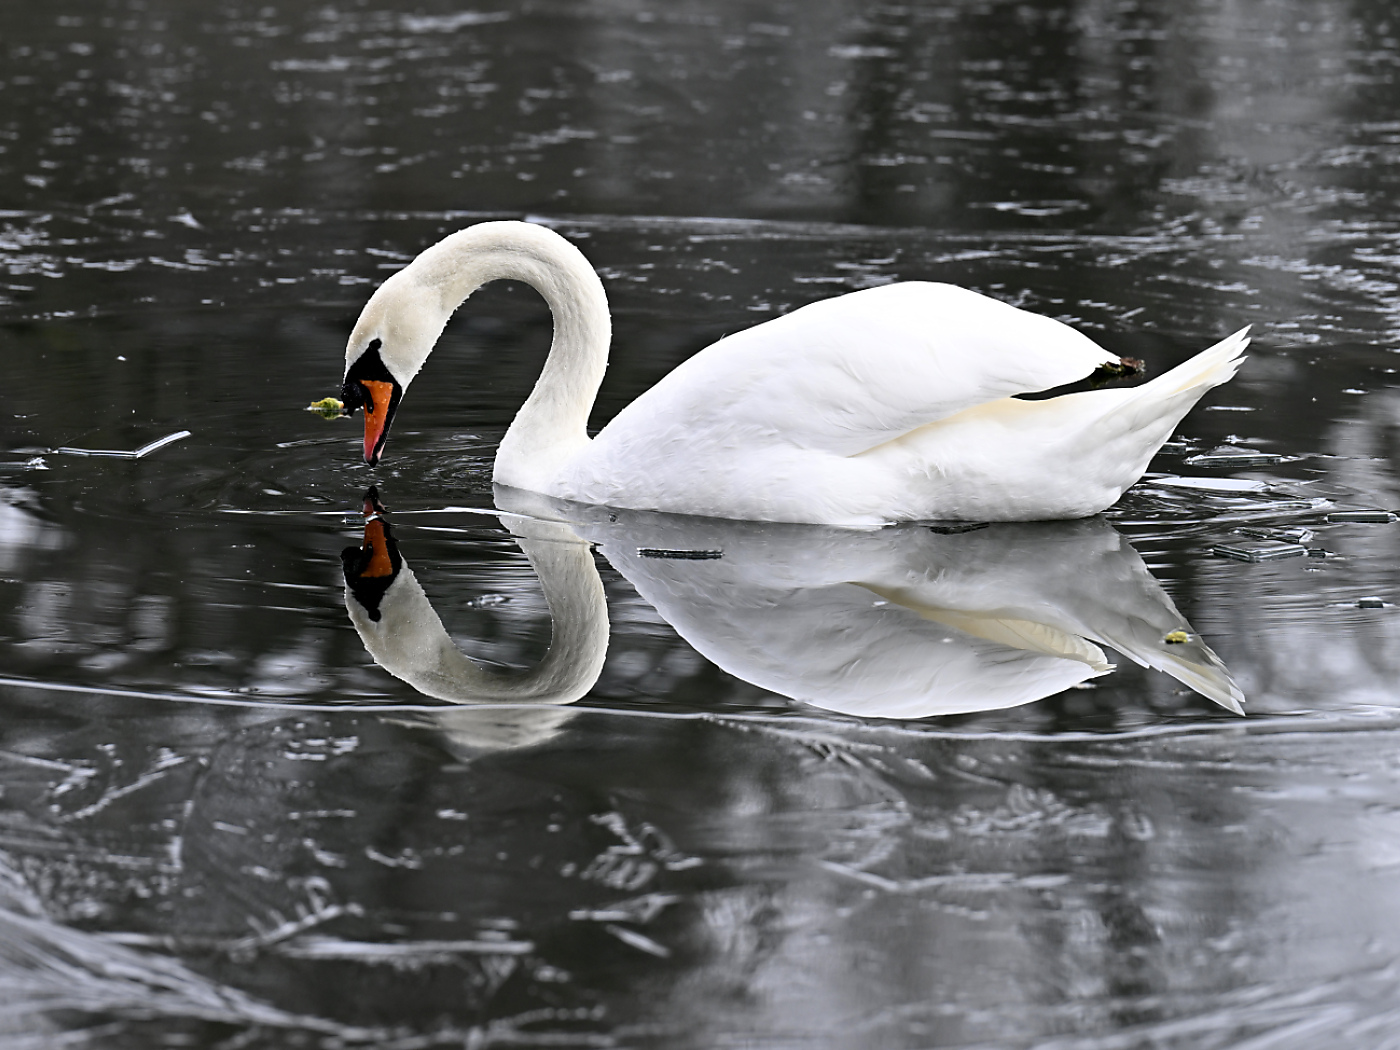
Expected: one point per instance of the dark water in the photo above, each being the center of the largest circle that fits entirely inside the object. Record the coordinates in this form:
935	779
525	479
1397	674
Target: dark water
739	836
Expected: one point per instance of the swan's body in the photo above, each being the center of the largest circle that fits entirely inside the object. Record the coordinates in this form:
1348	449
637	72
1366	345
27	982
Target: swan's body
893	403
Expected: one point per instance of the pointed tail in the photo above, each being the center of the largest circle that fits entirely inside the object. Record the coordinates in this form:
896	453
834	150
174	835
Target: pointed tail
1146	415
1206	370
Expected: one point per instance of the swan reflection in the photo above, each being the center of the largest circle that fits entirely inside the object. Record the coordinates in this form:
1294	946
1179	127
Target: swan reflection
405	636
901	622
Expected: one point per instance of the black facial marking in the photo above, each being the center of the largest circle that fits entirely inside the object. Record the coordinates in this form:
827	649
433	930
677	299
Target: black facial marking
368	591
369	365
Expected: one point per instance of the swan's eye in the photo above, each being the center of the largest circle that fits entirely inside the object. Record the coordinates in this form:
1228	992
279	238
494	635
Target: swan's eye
369	365
351	397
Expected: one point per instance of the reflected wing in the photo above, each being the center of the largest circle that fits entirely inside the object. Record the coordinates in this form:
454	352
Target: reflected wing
1010	631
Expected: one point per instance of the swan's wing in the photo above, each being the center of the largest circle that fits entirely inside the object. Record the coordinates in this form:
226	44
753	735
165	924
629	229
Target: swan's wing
849	373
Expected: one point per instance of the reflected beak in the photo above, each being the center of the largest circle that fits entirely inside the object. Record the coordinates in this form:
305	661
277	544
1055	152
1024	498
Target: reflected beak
375	560
372	506
371	569
380	400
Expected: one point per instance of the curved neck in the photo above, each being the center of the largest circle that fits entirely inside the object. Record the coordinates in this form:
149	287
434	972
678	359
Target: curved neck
551	427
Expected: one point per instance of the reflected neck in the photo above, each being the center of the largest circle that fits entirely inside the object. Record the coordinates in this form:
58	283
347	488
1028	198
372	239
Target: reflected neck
409	641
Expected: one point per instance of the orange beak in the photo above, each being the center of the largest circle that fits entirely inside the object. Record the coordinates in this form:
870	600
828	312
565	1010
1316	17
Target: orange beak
378	406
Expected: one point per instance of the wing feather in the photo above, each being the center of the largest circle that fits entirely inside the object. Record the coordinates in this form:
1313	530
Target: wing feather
849	373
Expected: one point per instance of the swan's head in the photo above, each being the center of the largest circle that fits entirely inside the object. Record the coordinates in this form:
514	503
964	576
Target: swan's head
402	321
393	337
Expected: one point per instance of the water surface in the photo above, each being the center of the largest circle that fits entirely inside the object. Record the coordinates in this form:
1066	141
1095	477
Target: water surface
225	825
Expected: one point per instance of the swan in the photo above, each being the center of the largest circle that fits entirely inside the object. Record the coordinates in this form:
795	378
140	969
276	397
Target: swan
889	404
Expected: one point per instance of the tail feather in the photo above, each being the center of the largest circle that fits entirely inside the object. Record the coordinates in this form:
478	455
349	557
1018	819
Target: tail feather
1062	457
1207	369
1145	416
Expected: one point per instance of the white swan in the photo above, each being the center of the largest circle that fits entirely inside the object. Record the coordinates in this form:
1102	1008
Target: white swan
889	404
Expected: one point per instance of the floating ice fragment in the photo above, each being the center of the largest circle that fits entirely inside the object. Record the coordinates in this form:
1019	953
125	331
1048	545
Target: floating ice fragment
641	909
118	453
1231	456
1266	551
1377	517
1212	484
639	941
1294	534
311	946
